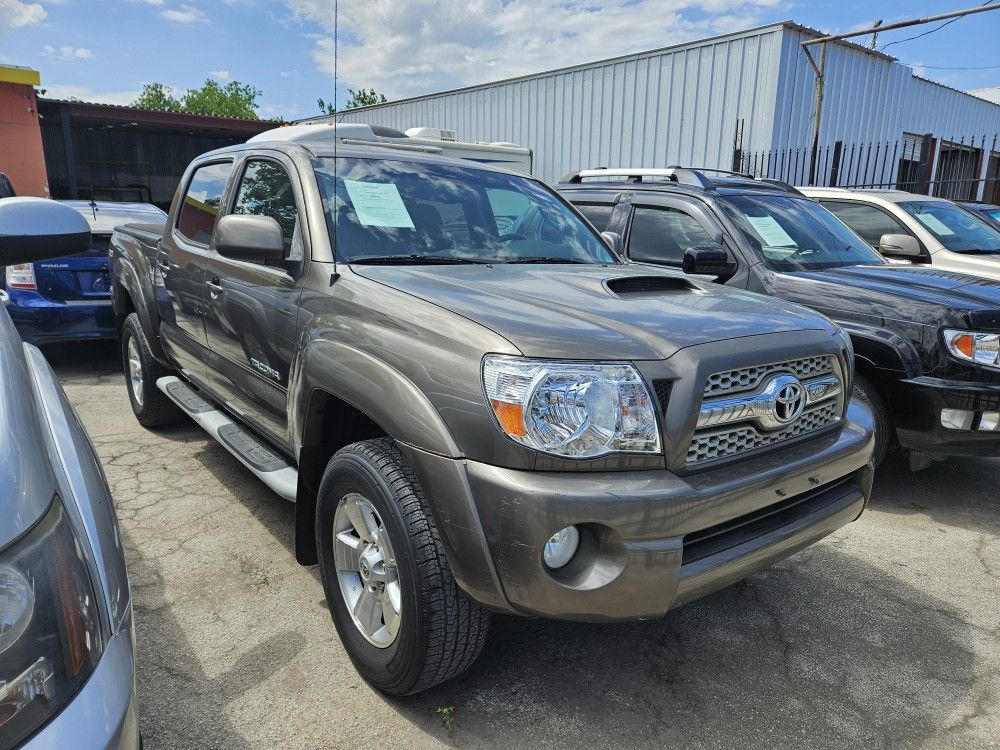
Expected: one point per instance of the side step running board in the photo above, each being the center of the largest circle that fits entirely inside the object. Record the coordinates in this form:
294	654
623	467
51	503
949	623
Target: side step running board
272	469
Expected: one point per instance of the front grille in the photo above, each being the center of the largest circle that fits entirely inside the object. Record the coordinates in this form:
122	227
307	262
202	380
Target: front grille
743	410
707	447
747	378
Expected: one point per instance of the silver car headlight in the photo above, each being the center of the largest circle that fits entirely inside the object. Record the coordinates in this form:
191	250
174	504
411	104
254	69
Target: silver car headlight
977	348
50	633
572	409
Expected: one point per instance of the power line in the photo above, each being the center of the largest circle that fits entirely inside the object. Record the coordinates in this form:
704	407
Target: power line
949	67
931	31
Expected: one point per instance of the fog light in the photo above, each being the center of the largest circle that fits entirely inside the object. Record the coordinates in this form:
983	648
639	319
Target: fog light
561	547
956	419
990	420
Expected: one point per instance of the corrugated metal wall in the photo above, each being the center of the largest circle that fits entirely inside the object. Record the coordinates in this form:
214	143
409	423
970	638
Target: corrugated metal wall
869	98
676	105
681	105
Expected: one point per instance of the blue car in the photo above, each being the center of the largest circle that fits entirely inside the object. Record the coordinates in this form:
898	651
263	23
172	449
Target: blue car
65	299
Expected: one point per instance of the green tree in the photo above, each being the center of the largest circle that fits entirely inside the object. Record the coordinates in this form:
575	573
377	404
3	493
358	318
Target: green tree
235	99
158	97
359	98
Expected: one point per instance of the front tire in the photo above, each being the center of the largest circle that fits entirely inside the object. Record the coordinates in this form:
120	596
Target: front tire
869	394
401	617
149	404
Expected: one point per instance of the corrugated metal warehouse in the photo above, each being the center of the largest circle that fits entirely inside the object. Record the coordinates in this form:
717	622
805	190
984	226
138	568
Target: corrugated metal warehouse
744	99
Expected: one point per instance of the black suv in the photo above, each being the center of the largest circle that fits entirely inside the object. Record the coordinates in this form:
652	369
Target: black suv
927	342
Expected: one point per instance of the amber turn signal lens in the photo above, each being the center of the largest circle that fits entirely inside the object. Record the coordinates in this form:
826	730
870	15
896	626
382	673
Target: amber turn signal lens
965	343
510	416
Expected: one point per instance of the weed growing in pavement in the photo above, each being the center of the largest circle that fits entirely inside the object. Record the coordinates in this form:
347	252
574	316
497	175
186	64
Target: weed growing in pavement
447	714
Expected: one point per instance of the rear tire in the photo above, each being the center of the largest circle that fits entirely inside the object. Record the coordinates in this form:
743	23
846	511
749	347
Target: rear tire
437	631
868	393
149	404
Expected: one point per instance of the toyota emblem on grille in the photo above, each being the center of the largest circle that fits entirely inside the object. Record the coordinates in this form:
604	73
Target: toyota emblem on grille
790	399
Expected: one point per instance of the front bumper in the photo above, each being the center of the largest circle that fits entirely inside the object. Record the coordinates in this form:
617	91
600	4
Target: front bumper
653	540
917	415
43	321
103	714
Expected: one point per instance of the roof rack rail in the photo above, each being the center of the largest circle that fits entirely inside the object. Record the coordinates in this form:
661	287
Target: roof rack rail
682	175
679	175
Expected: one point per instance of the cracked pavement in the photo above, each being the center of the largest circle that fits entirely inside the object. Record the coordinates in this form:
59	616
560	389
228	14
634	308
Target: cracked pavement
886	634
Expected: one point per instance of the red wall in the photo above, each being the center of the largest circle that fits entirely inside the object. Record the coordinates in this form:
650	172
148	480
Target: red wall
21	155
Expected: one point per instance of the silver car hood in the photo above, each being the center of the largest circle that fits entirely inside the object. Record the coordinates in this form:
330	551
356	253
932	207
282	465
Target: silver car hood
27	483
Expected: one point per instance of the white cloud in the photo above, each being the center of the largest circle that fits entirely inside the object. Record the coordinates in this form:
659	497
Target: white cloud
155	3
87	94
15	14
68	52
436	44
221	75
184	14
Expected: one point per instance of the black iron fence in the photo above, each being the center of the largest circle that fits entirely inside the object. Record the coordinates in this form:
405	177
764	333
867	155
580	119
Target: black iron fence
964	168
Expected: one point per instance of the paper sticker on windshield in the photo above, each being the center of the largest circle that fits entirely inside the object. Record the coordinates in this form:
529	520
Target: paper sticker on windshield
935	224
771	231
378	204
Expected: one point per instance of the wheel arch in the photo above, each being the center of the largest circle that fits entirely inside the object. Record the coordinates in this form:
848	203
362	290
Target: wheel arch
344	397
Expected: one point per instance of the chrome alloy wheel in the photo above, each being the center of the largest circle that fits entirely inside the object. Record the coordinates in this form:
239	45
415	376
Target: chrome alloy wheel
135	370
366	570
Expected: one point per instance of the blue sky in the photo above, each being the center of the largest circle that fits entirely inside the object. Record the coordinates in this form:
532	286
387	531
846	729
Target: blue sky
104	50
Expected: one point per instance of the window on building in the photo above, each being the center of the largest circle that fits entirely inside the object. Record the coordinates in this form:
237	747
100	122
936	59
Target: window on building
661	235
200	210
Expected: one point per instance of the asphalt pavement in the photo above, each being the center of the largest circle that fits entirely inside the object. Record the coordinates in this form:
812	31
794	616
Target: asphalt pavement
886	634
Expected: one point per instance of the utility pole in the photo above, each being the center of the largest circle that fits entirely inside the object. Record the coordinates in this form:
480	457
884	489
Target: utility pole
820	67
875	26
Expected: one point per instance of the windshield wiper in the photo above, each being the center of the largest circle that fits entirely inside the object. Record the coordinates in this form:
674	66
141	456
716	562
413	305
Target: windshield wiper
546	259
980	251
418	260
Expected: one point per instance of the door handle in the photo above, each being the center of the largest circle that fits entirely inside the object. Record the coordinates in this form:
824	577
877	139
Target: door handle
215	287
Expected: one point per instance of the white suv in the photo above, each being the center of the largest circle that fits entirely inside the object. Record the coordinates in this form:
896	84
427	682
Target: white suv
916	228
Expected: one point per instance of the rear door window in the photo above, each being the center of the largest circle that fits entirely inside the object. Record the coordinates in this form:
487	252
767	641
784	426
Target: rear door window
661	235
870	222
202	200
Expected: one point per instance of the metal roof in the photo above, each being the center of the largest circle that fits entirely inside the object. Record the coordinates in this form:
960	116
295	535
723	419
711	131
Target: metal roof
134	117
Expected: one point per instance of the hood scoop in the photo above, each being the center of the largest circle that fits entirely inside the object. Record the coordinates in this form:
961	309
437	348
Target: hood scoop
646	286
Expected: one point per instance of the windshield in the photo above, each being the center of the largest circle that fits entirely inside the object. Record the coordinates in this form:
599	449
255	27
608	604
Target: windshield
388	211
958	230
797	234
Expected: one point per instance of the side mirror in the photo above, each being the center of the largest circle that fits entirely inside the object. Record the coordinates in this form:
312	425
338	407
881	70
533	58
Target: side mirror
255	239
900	246
709	260
614	241
34	229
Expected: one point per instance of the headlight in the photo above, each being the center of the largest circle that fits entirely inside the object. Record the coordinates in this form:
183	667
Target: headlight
50	636
574	409
978	348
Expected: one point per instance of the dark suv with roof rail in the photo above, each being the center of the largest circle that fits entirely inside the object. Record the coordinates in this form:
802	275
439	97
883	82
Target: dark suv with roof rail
926	342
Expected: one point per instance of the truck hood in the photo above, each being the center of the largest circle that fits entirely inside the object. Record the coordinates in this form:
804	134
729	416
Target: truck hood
628	312
25	472
888	285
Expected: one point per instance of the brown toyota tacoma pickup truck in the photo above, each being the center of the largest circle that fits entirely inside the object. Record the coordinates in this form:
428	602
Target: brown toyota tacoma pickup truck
473	420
